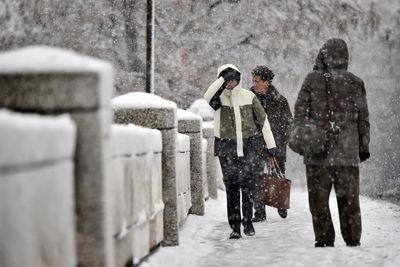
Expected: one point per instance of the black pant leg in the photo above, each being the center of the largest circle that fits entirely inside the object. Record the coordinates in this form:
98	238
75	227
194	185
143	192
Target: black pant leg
347	195
319	183
259	208
232	186
248	177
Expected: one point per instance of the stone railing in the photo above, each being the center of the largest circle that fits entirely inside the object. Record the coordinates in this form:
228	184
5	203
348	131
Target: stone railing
135	192
36	190
190	124
183	177
116	190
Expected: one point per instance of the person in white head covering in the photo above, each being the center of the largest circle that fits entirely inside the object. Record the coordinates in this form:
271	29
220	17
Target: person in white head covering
238	120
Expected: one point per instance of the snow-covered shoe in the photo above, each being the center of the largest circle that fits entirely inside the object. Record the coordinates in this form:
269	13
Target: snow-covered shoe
353	244
248	228
282	213
319	244
235	235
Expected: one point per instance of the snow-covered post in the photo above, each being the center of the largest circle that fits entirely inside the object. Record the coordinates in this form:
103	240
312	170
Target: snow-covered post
154	112
52	81
183	176
190	124
136	200
208	134
37	190
204	146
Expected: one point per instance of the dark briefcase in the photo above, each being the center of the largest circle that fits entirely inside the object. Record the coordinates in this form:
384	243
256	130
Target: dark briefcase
274	188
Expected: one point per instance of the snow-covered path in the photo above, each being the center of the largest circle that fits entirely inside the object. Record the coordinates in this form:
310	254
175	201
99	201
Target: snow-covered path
283	242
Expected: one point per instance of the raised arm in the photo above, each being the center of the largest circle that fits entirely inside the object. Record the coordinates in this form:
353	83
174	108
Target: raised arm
213	93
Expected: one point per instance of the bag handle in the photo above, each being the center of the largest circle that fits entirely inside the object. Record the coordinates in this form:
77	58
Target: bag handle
275	168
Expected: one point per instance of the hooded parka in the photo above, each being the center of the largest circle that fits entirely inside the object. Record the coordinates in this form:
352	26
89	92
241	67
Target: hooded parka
348	105
238	118
237	114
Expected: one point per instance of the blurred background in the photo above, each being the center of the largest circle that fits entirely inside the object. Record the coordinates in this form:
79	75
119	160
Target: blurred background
192	38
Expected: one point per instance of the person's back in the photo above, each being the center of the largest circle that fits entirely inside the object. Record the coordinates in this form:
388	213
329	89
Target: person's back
348	104
331	96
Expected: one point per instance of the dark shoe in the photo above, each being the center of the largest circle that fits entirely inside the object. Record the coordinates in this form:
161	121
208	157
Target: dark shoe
319	244
353	244
235	235
282	213
259	219
248	228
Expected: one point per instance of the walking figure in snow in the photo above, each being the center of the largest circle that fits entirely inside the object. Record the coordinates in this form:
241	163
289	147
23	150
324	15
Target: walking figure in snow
237	114
334	100
280	118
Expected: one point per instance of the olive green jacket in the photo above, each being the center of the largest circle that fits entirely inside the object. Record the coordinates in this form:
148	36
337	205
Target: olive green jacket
237	113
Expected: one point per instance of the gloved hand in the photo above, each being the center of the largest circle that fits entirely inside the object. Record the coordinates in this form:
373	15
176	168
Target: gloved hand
230	74
364	156
273	151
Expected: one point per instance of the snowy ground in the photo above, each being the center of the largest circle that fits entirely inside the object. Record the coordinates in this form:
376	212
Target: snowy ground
283	242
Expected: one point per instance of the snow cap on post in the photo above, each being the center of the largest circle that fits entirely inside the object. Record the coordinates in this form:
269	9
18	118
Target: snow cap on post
145	109
188	122
67	73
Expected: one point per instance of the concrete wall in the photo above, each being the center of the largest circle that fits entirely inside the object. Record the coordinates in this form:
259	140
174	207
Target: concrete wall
183	189
190	124
154	112
91	193
135	195
52	81
37	205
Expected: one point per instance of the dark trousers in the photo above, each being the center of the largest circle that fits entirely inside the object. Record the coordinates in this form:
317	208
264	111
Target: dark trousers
345	180
259	208
238	174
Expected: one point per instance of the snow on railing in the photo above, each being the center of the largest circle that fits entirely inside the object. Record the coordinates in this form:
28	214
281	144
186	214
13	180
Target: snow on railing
122	189
37	189
183	190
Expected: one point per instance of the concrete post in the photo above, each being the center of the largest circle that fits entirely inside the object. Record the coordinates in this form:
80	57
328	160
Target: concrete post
154	112
208	134
53	81
183	176
190	124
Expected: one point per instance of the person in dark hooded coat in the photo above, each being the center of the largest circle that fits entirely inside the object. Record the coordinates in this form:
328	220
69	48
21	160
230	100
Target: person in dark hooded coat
347	102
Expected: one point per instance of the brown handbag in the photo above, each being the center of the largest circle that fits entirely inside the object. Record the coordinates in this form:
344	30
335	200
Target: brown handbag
274	188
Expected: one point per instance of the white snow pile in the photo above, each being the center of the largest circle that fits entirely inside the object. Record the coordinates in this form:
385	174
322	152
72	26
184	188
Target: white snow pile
187	115
203	109
31	138
133	140
182	143
39	59
141	100
208	125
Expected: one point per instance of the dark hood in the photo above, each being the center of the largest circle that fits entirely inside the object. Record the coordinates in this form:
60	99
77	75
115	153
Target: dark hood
333	55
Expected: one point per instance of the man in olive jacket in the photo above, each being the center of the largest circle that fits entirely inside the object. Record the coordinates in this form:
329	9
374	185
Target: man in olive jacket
280	118
349	111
